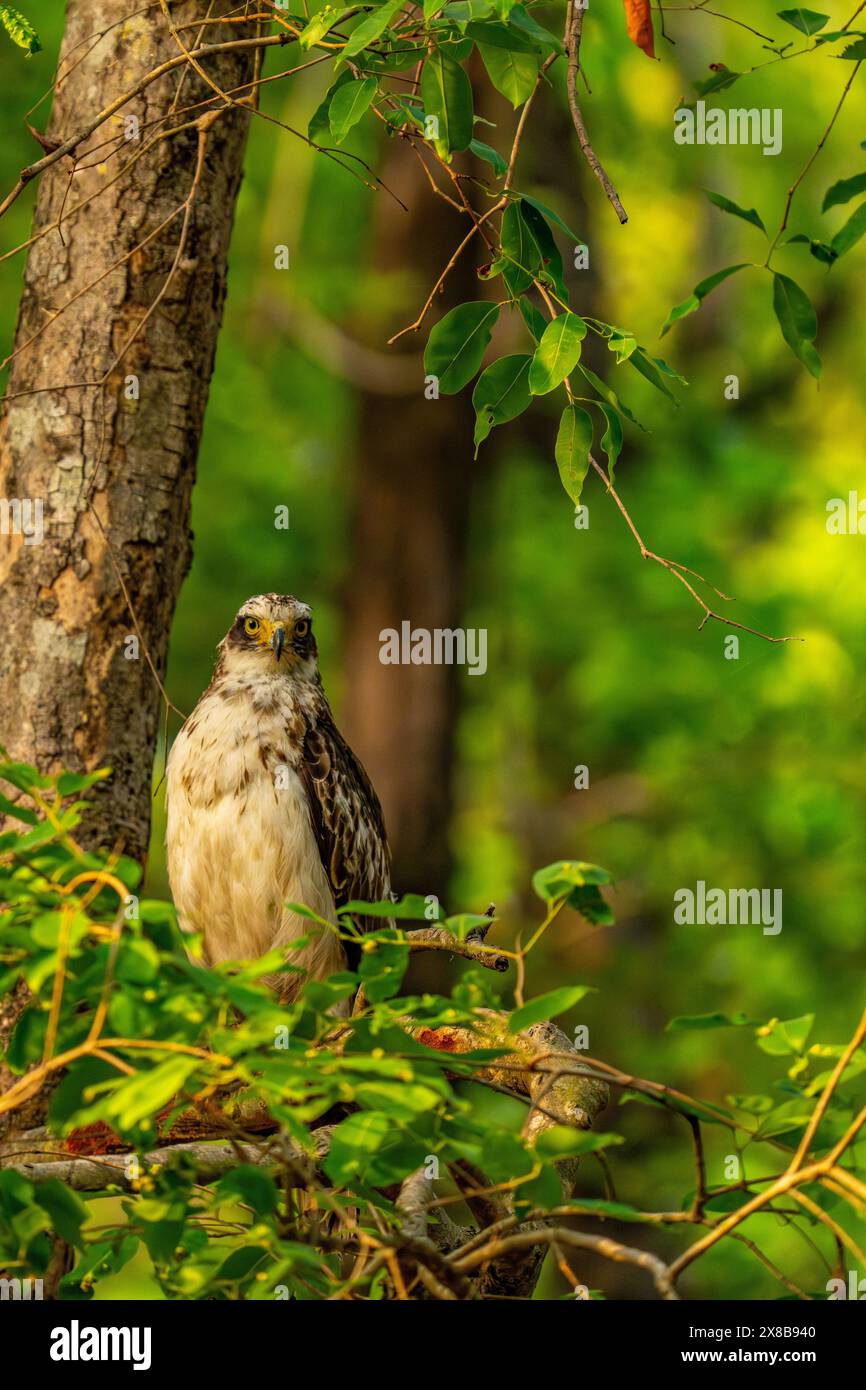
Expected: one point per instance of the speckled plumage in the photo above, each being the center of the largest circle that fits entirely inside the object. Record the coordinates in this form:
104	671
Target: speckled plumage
267	803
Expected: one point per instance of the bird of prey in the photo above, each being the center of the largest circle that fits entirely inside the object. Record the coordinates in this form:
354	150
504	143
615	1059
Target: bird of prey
267	803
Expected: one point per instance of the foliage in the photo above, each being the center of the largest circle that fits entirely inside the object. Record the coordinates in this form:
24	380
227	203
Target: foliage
138	1033
748	771
20	30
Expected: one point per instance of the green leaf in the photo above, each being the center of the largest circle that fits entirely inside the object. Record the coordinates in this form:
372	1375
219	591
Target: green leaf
501	393
573	443
319	123
807	21
70	782
550	215
66	1210
546	1006
371	27
716	1020
819	249
412	907
457	344
144	1094
447	94
556	881
721	79
589	902
844	191
490	156
318	26
532	317
562	1141
850	234
514	74
382	968
520	250
252	1186
596	1206
19	812
355	1141
551	260
557	353
611	440
621	344
780	1039
856	51
500	36
608	394
463	11
797	321
520	18
23	776
698	295
348	104
748	214
655	371
20	30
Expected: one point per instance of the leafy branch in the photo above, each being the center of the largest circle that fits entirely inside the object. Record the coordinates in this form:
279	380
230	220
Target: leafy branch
347	1150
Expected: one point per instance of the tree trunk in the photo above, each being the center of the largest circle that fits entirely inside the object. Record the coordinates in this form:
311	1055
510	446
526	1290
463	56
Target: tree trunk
413	485
112	465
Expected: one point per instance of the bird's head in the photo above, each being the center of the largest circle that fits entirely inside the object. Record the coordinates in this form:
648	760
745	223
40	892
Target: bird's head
271	634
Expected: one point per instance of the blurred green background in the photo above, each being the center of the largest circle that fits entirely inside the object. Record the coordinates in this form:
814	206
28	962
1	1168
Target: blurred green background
746	773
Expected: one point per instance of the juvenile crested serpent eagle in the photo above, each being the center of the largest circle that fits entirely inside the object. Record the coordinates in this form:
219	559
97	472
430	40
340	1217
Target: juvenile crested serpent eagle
267	803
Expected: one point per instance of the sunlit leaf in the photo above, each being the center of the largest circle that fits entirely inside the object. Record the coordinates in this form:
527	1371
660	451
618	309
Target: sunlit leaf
457	344
557	353
573	443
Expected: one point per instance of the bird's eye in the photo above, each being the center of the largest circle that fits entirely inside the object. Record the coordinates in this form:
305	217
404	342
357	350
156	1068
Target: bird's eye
302	628
251	626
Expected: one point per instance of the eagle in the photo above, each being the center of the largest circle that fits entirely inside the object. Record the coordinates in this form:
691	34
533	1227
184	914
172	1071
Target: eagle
267	805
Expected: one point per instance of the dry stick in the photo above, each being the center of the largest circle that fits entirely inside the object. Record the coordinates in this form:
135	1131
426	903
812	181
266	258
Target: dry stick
521	124
69	145
603	1245
85	289
573	29
827	1220
73	141
264	115
809	162
774	1270
477	221
677	569
97	193
452	261
32	1082
787	1182
716	14
674	567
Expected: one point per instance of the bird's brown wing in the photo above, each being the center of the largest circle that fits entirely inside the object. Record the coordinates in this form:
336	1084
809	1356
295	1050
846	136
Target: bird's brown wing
347	819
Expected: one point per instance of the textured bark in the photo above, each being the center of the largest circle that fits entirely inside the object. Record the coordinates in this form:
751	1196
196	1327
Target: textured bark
68	695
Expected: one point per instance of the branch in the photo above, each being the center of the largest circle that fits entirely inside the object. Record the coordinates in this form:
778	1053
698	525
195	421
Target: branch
571	39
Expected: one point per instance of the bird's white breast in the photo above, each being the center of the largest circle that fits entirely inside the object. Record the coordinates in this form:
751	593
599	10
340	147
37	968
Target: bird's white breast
239	836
